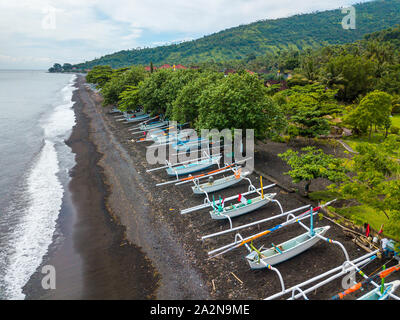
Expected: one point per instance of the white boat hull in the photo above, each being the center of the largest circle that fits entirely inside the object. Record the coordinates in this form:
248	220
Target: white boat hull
153	126
276	257
217	185
138	118
189	146
239	210
190	168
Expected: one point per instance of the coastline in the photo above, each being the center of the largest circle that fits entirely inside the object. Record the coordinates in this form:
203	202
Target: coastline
171	256
91	257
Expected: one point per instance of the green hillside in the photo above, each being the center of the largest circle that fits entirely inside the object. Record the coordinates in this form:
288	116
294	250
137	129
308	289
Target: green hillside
296	32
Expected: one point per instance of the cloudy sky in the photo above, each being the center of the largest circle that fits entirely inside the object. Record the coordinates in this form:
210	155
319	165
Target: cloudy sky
36	33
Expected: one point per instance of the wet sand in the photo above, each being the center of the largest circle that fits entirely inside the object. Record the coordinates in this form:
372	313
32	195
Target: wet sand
91	256
112	182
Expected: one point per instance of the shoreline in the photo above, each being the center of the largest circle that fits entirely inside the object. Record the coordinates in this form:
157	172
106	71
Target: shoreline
89	252
148	218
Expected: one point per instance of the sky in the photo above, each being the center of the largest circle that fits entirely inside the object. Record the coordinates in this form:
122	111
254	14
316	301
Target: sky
34	34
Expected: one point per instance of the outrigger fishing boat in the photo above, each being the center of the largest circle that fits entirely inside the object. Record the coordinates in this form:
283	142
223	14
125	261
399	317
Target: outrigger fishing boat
193	167
115	110
190	166
234	210
219	184
220	212
153	125
257	259
132	117
228	167
140	116
188	145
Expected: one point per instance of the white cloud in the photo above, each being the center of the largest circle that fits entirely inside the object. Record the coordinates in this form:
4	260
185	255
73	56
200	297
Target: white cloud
91	28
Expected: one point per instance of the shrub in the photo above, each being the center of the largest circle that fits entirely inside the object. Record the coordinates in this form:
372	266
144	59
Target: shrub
394	130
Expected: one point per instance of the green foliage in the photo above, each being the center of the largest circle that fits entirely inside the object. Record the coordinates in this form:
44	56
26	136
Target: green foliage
129	98
239	101
352	75
120	80
99	75
158	92
186	106
313	97
396	105
313	164
150	92
375	179
56	68
373	110
394	130
309	123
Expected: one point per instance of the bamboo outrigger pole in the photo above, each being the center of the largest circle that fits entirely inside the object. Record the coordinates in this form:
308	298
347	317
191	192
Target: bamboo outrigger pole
201	176
343	269
228	167
209	203
382	275
145	121
255	222
184	162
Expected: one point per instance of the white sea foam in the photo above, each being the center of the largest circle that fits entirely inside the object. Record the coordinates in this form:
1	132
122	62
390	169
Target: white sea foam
33	234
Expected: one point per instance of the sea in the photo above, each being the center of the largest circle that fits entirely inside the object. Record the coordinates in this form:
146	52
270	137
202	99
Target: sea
36	118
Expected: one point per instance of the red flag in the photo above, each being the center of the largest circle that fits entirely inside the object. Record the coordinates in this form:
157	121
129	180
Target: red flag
367	231
242	199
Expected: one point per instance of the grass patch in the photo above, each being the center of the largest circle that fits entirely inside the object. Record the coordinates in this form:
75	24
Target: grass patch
396	120
353	141
364	214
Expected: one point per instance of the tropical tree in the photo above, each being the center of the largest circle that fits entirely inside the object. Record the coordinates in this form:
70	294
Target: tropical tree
67	67
120	81
375	178
129	98
309	123
240	101
374	110
185	107
150	92
99	75
158	92
352	75
312	164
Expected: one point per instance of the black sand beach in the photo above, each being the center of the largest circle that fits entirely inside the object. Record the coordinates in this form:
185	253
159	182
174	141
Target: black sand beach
124	238
92	258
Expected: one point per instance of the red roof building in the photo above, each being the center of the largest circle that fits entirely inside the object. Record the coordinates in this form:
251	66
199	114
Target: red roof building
165	66
149	69
179	66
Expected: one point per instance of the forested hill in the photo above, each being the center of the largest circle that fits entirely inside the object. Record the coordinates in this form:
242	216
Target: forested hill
297	32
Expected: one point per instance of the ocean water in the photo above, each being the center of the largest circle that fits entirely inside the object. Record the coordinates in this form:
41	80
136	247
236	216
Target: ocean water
36	117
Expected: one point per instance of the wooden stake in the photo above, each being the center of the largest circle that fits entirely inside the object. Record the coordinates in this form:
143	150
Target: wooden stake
262	191
237	278
212	281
